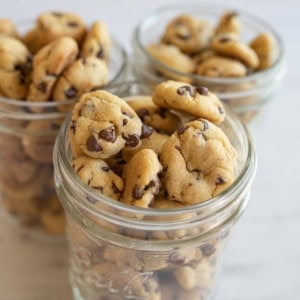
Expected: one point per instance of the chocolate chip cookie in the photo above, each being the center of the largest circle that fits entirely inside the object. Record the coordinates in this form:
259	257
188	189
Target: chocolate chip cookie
15	68
51	26
217	66
171	56
7	27
229	45
104	124
197	101
229	23
188	33
48	64
157	117
192	178
263	46
97	174
97	42
80	77
141	179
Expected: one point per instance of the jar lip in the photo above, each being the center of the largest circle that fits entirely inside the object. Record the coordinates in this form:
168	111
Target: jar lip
243	179
137	33
11	104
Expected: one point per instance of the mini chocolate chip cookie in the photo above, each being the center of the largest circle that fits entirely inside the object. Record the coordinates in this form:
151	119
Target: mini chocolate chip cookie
97	42
154	142
80	77
197	101
229	23
171	56
217	66
15	68
51	26
48	64
7	27
229	45
263	45
188	33
199	162
141	179
104	124
157	117
97	174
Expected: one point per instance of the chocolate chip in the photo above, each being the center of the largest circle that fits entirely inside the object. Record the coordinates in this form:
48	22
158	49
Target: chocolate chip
202	90
207	249
115	188
205	125
127	114
72	24
132	140
142	113
182	36
73	126
221	110
71	92
56	14
150	184
224	39
108	134
99	188
181	129
232	14
162	112
219	180
92	144
186	89
42	87
146	131
105	169
100	54
55	126
137	192
125	122
80	168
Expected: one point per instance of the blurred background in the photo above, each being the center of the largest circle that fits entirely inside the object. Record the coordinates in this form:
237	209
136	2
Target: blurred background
263	257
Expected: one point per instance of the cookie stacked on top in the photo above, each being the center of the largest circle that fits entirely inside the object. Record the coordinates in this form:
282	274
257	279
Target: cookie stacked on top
194	46
58	59
158	152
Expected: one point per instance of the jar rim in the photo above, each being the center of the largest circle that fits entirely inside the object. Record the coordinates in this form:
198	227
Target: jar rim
137	33
244	178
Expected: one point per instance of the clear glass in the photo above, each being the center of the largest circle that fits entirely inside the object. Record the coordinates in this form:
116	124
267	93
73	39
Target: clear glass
246	95
124	252
27	136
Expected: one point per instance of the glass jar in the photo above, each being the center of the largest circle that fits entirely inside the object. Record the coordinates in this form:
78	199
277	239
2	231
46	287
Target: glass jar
27	135
119	251
246	95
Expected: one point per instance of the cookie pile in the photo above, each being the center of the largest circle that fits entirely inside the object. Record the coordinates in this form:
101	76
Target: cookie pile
147	142
58	59
157	152
194	46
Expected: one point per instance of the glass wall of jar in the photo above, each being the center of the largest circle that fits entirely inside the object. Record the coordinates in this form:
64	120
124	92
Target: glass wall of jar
119	251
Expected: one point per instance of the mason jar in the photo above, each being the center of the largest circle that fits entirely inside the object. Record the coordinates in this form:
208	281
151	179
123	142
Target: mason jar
27	136
245	95
119	251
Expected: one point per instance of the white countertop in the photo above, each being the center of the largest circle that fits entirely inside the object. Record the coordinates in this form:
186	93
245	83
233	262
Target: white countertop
263	258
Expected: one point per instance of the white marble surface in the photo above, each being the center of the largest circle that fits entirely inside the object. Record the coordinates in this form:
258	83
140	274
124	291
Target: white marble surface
263	259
